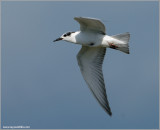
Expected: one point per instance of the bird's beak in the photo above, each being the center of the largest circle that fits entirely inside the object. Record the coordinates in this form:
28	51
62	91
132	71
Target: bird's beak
58	39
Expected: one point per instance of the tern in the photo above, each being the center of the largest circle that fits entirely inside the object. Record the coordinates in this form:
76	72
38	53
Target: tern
92	36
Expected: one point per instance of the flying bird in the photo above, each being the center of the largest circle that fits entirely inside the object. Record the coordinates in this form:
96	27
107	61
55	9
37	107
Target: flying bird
92	36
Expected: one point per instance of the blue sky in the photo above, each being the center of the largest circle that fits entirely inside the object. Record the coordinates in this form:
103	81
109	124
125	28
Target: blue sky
42	86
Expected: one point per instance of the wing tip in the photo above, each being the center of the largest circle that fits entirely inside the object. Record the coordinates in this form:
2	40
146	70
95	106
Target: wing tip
109	112
79	17
75	18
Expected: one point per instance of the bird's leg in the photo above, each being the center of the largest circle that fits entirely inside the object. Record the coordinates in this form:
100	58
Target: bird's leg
111	45
91	44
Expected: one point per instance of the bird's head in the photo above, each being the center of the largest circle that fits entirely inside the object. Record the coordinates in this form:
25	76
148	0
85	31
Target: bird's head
66	37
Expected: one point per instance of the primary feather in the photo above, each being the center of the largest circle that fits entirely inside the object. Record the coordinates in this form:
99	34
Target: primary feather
90	60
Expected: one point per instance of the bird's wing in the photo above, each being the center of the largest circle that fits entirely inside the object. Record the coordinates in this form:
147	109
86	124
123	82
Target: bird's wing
90	61
91	24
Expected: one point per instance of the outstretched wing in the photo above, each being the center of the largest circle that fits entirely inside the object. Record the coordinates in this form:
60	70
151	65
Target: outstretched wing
90	61
91	24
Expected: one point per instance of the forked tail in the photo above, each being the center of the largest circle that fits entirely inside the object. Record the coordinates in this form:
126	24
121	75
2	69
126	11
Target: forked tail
121	42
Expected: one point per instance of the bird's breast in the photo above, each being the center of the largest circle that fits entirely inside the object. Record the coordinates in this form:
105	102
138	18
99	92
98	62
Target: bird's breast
89	39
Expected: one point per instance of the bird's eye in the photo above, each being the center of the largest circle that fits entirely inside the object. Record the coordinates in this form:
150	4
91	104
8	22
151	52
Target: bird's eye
69	33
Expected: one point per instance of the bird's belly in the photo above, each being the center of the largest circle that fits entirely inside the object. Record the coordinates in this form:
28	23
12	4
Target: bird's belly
88	39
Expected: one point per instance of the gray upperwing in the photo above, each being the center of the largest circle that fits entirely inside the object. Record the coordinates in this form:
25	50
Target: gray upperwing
91	24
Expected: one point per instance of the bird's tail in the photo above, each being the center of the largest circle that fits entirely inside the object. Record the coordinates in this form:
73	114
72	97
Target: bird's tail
122	42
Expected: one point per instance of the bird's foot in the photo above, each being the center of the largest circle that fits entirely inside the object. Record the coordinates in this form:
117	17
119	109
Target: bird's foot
111	45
